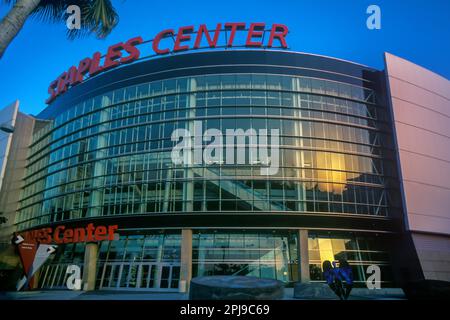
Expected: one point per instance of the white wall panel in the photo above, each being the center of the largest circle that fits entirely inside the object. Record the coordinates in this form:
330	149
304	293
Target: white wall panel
421	110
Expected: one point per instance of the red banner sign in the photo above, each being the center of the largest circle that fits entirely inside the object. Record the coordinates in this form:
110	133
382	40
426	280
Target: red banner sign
27	247
185	38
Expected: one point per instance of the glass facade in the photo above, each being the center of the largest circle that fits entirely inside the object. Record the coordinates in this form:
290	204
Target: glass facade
266	254
53	275
108	158
149	261
359	251
110	155
152	261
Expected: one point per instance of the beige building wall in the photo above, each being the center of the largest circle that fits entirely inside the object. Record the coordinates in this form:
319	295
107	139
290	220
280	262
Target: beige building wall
8	117
14	161
421	114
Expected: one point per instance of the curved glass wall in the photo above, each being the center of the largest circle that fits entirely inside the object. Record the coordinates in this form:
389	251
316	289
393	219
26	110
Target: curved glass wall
152	261
111	155
263	255
149	261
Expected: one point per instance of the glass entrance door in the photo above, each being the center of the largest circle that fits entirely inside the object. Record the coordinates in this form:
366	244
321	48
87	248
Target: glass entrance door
148	276
170	276
144	276
55	276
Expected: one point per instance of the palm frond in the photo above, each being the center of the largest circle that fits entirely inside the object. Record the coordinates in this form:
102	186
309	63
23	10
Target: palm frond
97	16
53	11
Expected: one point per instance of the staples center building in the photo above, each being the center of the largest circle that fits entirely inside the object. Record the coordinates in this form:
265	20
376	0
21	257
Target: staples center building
363	169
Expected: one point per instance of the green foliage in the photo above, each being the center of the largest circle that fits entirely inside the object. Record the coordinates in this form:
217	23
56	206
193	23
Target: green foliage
97	16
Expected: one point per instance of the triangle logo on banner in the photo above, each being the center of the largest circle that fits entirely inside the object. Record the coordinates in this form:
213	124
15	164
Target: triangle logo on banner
32	255
27	247
43	253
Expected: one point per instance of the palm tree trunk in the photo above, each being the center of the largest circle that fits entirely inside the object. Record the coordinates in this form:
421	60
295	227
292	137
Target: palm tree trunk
13	22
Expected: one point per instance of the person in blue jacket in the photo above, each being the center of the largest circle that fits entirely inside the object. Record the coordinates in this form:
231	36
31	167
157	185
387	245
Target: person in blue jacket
332	277
346	277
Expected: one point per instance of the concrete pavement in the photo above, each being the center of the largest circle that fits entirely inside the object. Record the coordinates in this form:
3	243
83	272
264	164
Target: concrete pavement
357	294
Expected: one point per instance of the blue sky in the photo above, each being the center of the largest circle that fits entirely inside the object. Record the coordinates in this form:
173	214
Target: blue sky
418	30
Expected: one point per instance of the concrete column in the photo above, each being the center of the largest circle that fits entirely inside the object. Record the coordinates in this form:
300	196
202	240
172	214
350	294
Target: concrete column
304	255
90	266
186	260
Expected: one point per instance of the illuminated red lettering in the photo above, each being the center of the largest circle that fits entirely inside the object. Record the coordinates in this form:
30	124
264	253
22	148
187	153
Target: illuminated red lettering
44	236
71	77
111	230
183	35
256	30
100	233
61	82
130	48
83	69
95	67
203	30
234	27
52	92
157	40
90	228
56	237
114	52
79	235
47	236
68	236
127	52
66	80
278	31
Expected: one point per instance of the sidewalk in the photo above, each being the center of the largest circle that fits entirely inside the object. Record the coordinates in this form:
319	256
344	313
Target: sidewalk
357	294
92	295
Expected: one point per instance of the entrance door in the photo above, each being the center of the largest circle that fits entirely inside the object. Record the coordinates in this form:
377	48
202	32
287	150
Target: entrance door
111	275
170	276
145	276
149	276
54	276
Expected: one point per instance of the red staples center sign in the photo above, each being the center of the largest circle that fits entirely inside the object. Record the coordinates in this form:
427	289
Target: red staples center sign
63	234
186	38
